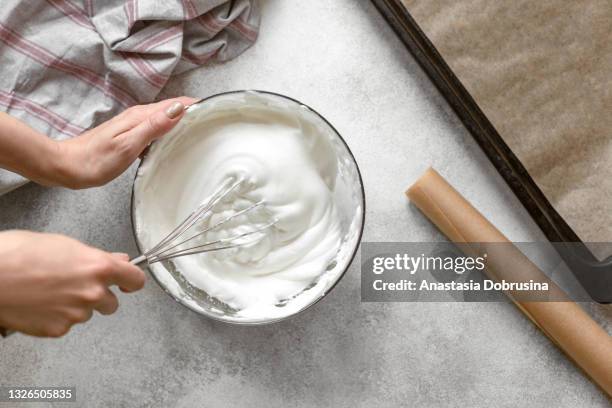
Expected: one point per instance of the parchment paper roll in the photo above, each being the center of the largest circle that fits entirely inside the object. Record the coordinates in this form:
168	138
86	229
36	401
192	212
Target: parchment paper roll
564	322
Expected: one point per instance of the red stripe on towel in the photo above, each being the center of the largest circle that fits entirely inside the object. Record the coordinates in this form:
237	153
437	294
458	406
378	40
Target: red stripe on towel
45	57
199	59
160	38
89	7
11	100
142	67
73	12
190	10
145	69
214	24
130	11
247	31
210	23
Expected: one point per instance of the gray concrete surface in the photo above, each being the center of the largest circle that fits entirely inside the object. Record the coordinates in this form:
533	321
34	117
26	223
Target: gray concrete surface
340	58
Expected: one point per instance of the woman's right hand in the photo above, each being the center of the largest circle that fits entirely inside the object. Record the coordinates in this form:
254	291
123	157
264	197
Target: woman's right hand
50	282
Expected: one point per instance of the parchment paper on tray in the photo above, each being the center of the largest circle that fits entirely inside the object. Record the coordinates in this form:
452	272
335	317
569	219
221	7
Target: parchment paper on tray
541	71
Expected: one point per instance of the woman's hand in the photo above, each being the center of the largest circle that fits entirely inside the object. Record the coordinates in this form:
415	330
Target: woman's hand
103	153
50	282
93	158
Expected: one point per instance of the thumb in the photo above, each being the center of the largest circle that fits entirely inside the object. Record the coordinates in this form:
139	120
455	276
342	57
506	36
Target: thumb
120	255
155	126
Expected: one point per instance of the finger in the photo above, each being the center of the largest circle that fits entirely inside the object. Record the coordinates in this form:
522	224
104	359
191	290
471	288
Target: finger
132	117
153	127
79	315
128	277
143	111
155	106
121	256
109	303
185	100
57	328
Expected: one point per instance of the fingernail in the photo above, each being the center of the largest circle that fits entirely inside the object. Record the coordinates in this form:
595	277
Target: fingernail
174	110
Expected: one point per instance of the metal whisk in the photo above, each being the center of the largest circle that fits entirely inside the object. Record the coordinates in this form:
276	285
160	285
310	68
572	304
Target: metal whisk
175	244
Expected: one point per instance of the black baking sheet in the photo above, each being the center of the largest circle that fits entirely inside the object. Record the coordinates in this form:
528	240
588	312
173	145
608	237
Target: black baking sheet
594	275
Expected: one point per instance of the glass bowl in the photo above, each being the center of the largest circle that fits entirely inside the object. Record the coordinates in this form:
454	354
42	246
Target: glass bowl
349	196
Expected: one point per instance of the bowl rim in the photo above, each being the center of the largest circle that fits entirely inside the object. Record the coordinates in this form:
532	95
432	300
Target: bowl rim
338	279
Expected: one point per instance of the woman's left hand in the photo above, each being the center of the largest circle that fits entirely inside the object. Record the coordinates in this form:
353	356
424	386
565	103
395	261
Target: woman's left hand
103	153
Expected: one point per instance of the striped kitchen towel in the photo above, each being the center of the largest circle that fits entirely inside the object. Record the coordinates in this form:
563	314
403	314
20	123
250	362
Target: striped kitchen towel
68	65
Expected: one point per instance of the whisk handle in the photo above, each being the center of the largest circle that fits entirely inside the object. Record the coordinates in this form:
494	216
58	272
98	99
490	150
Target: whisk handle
139	260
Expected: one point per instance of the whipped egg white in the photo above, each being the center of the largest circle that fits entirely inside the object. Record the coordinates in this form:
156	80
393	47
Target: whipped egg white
283	162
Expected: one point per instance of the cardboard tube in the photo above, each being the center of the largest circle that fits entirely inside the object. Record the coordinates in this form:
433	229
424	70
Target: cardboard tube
564	322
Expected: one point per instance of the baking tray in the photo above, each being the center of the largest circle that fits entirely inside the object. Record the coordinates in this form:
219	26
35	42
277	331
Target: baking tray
594	275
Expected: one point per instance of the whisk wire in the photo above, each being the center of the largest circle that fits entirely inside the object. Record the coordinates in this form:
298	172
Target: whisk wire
217	225
210	246
196	215
168	248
